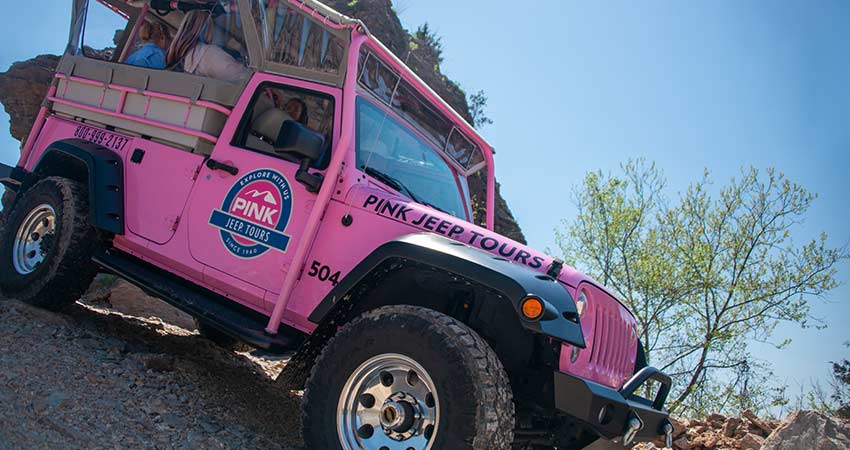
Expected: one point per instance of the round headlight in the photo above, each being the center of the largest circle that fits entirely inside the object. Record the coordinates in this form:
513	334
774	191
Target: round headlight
581	303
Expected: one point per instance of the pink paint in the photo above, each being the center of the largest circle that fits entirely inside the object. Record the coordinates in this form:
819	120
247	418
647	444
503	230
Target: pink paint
174	198
153	123
36	128
345	144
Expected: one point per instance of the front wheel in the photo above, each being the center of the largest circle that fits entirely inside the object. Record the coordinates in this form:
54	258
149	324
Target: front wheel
404	377
47	244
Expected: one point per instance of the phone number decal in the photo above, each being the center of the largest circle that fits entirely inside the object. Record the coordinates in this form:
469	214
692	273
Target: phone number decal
101	137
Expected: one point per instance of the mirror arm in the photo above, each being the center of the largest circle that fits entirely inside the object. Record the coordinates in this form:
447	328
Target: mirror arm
312	181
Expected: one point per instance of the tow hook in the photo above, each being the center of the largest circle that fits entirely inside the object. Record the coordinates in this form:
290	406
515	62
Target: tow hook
634	425
668	435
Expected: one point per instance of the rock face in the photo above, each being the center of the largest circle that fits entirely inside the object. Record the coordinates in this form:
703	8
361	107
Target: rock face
809	430
24	85
23	88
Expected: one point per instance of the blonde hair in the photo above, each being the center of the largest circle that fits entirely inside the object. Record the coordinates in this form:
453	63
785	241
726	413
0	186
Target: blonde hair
154	32
188	35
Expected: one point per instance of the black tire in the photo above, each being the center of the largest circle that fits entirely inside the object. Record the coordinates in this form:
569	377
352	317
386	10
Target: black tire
221	339
66	270
476	410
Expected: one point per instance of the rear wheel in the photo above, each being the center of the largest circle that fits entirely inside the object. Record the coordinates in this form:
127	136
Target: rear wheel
47	244
403	377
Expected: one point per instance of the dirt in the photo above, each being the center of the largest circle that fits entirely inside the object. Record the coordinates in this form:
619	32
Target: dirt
97	377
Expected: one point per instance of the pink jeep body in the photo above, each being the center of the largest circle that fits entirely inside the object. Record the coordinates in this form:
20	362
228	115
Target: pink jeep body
263	240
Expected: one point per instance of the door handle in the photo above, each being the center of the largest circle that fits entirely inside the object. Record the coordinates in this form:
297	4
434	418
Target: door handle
215	165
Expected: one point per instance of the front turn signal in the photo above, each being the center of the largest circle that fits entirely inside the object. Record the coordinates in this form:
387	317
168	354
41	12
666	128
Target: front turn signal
532	308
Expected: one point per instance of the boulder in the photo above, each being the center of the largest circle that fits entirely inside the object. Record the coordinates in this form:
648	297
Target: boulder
751	442
809	430
760	424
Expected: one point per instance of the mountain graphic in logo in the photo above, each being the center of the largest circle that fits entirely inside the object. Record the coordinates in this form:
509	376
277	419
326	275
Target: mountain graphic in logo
268	197
254	214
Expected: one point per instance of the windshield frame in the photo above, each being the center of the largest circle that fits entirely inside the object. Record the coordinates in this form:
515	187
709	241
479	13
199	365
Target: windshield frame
461	182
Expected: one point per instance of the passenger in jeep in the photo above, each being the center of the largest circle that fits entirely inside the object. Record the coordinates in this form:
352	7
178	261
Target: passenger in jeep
297	109
156	40
192	50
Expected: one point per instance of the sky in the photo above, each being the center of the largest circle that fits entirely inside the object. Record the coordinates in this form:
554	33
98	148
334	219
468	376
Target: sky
582	86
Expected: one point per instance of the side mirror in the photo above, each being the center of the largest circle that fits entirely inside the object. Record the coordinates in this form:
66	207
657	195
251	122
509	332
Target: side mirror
307	146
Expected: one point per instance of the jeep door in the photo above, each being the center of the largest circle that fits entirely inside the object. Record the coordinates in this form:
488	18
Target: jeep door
247	210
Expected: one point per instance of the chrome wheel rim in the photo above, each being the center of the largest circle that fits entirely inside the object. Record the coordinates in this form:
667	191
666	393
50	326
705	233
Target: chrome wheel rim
29	247
389	403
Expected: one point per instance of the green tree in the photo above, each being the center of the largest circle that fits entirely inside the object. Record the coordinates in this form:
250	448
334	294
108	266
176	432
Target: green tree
477	109
841	387
704	275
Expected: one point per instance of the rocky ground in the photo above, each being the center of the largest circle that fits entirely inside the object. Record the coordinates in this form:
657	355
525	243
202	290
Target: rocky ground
120	369
105	375
801	430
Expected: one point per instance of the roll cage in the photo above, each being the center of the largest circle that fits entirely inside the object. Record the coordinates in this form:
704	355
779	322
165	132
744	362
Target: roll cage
350	34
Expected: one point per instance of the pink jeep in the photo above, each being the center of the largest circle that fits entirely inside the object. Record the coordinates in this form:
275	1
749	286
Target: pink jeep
318	205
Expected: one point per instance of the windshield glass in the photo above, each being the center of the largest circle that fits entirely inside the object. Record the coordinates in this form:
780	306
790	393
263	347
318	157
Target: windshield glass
403	98
399	158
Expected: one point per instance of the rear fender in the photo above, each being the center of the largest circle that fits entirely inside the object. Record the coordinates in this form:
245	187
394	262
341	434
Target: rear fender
90	163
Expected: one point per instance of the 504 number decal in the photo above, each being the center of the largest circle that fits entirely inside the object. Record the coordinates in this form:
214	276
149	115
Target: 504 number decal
324	273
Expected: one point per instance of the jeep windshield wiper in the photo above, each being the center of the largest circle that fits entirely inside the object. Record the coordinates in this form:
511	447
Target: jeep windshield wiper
391	181
394	183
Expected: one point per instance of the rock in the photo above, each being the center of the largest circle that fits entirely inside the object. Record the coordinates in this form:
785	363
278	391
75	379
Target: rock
762	425
751	442
56	399
716	418
730	426
682	443
679	427
809	430
159	363
23	88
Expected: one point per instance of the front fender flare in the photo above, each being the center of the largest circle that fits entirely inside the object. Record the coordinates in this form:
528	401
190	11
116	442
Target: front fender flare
511	281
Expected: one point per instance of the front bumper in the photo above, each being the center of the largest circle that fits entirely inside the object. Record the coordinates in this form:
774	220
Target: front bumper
609	412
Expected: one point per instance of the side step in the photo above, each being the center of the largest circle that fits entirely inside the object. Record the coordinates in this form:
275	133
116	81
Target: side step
208	307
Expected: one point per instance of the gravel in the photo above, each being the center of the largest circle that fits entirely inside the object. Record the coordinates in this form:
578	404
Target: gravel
95	377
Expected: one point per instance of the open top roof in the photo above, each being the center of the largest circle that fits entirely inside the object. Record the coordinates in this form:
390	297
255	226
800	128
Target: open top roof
304	39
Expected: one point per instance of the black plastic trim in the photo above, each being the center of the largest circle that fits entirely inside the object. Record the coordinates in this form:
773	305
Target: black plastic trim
512	281
207	306
105	179
585	400
7	177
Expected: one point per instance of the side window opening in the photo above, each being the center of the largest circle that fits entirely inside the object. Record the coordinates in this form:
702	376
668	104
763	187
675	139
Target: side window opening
274	104
207	41
105	30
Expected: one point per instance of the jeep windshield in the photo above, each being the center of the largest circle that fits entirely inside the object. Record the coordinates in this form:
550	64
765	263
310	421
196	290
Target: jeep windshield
393	154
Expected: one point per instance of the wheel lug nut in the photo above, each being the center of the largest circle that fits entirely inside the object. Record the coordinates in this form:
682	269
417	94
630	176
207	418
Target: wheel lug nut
412	378
365	431
387	379
429	400
429	430
367	400
35	236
